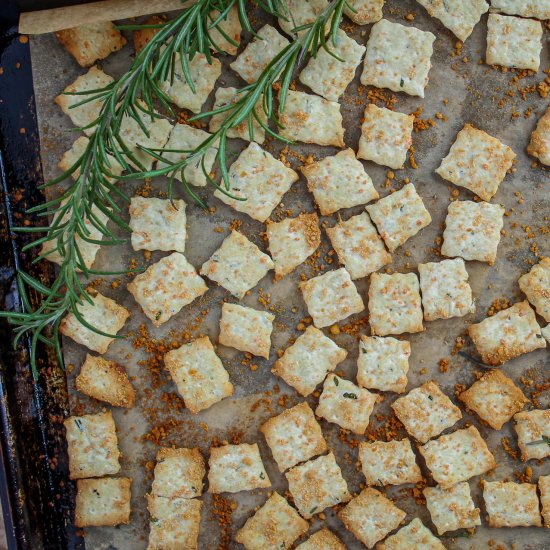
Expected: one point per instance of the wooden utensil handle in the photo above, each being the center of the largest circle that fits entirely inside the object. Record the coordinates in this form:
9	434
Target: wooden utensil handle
56	19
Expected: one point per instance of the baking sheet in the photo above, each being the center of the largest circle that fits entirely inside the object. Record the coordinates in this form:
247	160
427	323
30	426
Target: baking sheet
474	92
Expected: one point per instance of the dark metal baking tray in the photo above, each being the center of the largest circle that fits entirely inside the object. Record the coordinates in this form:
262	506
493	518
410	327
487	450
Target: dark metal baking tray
36	498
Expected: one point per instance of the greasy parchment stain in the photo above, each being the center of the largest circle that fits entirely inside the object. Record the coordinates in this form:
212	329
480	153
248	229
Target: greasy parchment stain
473	92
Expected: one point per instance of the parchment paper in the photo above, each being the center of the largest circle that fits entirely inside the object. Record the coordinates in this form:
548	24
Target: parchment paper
473	91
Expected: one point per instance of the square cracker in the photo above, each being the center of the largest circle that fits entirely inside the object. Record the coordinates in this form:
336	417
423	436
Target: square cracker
259	178
394	304
179	473
386	136
363	12
259	52
345	404
238	265
389	462
339	181
292	241
457	457
275	525
103	313
513	42
106	381
228	96
399	216
88	250
507	334
184	137
306	362
316	485
92	445
165	287
539	145
544	489
495	398
158	224
300	12
426	411
246	329
331	297
459	16
472	230
452	508
477	161
312	119
133	136
78	148
370	516
204	74
324	539
294	436
103	501
413	535
359	247
533	429
538	9
88	43
86	114
511	504
398	58
445	289
536	286
175	523
329	77
199	374
383	363
234	468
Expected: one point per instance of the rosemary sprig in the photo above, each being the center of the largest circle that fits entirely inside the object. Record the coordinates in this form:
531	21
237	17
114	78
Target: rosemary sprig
283	66
134	95
93	189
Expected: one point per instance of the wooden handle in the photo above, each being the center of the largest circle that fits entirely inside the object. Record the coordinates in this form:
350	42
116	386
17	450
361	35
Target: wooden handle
56	19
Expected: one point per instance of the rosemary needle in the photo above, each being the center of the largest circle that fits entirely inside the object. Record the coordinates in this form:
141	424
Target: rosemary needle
476	361
133	94
545	439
